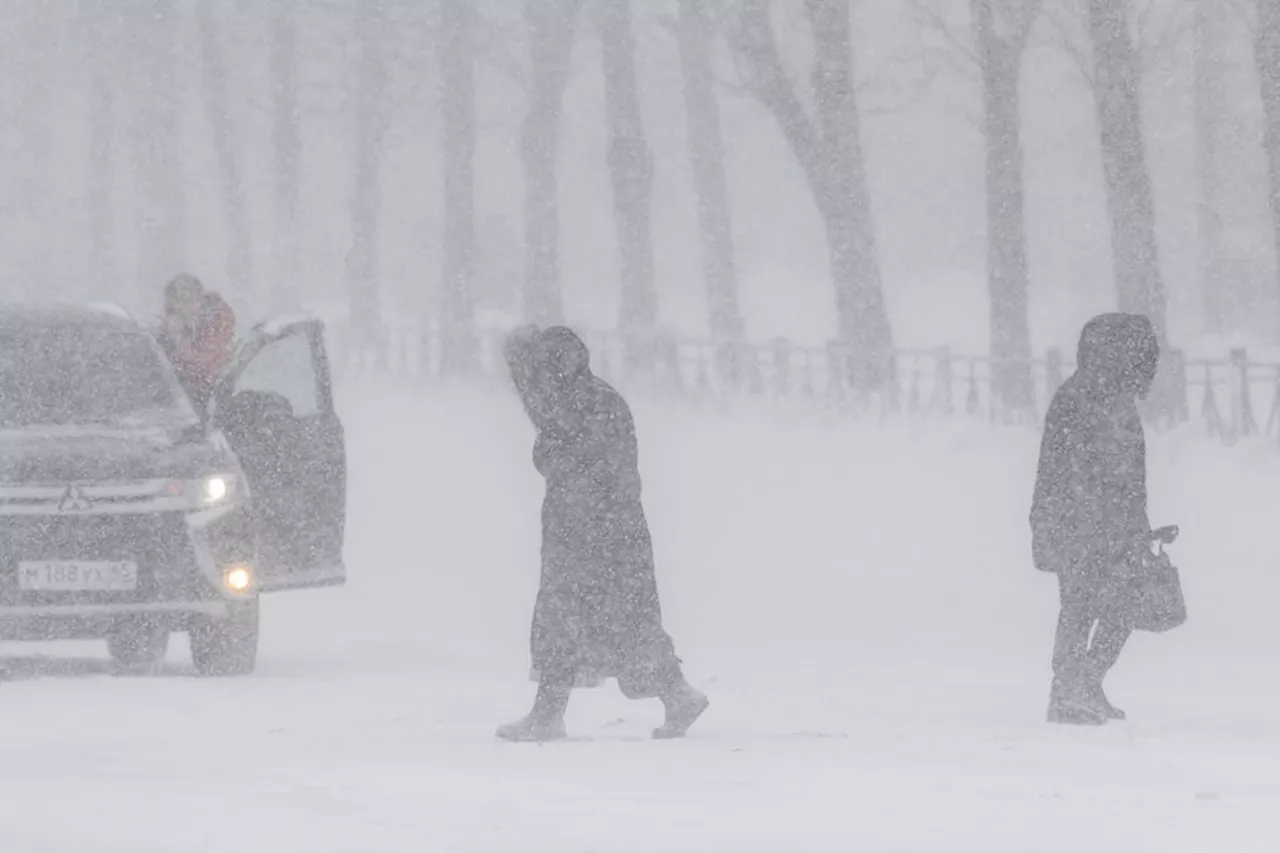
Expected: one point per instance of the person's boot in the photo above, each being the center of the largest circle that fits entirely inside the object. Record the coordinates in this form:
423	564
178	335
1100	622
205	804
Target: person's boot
1098	698
1069	705
530	729
684	705
545	722
1104	651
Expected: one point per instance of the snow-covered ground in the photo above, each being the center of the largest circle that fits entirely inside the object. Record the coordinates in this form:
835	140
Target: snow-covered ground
856	599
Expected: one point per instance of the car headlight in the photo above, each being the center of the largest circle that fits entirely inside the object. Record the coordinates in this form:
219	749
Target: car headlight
238	578
213	490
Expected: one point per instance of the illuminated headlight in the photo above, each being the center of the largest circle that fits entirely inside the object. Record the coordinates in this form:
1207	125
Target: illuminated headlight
238	578
213	490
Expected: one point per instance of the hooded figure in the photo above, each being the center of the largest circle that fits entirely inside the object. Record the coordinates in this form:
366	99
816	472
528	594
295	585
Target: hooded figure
1089	514
197	334
597	613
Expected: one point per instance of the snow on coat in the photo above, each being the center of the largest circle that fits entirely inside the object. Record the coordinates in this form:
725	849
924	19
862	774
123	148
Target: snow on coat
1089	511
597	612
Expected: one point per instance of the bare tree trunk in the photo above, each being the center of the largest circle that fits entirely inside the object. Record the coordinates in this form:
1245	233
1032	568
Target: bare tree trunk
154	103
1210	96
706	151
100	45
630	169
1000	60
217	108
551	31
34	118
286	128
1267	57
366	205
457	57
831	157
1129	198
10	239
769	80
850	226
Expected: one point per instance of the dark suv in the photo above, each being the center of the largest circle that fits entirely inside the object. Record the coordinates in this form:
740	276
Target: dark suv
127	514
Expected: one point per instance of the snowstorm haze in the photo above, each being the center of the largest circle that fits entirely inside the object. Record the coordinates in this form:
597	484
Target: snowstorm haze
919	93
848	388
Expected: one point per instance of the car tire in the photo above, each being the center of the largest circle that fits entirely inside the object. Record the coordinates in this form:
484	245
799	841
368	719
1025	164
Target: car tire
227	645
138	643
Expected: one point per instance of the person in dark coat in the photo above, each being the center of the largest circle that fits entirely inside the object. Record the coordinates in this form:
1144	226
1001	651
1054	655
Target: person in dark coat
1089	514
597	613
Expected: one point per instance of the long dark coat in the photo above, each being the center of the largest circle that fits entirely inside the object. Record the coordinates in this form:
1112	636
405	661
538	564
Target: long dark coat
597	614
1089	511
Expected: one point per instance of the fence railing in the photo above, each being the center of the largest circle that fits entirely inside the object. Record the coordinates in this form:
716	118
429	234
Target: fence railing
1220	397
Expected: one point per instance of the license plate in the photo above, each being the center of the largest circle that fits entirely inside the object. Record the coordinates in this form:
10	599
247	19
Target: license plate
77	575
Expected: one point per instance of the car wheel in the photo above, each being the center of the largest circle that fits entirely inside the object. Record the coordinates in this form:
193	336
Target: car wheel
137	643
226	645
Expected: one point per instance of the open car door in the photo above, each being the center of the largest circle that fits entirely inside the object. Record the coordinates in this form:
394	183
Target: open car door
275	407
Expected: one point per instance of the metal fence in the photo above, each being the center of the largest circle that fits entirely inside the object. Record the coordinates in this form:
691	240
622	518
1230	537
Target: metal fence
1218	397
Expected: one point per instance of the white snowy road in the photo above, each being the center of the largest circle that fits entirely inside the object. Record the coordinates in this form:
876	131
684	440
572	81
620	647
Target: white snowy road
857	601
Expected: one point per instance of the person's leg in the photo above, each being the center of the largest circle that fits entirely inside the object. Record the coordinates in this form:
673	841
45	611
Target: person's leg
545	721
1108	642
682	702
1104	650
1068	702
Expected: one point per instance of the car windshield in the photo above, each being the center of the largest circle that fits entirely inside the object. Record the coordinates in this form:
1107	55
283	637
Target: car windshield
77	374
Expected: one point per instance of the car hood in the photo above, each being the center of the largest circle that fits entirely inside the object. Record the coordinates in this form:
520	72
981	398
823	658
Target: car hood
43	455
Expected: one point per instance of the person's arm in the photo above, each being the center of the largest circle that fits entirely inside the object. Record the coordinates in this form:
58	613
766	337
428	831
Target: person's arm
610	450
219	332
548	452
1129	527
1063	509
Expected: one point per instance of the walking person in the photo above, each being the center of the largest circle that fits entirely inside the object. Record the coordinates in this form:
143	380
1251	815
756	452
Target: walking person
1089	514
597	613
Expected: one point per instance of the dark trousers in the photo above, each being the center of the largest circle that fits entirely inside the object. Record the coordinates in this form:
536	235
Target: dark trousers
1086	609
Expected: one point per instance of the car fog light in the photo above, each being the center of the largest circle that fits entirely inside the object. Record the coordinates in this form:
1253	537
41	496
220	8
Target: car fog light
238	578
215	489
209	491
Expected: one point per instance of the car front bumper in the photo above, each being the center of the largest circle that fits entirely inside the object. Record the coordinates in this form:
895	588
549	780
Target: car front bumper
94	621
182	558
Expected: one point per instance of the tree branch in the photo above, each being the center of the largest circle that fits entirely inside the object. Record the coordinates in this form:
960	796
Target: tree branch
966	57
1166	33
754	41
1062	36
1023	21
494	41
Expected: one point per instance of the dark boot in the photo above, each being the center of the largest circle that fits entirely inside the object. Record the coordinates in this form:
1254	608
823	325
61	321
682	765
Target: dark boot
684	705
545	722
1069	704
1098	699
1104	650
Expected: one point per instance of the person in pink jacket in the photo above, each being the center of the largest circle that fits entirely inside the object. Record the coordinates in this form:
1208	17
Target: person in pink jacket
197	334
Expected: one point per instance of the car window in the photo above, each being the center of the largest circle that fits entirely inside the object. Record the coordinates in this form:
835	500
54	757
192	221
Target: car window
285	367
73	374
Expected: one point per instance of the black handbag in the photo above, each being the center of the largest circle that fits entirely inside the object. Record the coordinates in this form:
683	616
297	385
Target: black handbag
1152	599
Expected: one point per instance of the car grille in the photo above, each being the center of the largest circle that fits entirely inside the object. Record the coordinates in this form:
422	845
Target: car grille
158	543
115	498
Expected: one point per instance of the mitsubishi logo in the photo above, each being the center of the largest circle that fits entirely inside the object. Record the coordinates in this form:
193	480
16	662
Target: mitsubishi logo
73	500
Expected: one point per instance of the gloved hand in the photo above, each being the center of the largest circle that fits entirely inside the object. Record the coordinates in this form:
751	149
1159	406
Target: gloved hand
1133	557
